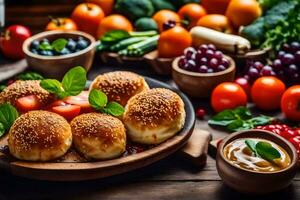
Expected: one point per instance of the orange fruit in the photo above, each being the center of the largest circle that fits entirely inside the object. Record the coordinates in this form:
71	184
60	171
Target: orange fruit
228	95
163	16
191	12
173	41
215	6
243	12
217	22
266	92
88	16
61	24
114	22
106	5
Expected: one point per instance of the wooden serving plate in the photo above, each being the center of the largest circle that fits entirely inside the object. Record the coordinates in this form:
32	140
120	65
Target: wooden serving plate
72	167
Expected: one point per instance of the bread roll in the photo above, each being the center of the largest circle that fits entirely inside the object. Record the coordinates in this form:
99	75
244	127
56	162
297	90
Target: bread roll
39	136
120	86
98	136
153	116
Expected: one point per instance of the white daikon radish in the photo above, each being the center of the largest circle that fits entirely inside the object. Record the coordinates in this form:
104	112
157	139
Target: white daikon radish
223	41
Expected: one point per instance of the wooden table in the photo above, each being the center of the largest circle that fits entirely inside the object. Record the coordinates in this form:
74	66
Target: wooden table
171	178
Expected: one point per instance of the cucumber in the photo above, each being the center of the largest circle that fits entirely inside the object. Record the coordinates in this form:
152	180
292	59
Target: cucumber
125	43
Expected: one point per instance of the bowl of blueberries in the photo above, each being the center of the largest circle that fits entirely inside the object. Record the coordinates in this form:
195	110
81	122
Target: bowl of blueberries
199	70
53	53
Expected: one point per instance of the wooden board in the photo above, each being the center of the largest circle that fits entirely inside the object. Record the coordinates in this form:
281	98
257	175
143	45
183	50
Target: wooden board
72	168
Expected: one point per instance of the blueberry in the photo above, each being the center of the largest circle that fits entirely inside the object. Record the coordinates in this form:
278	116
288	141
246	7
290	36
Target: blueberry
65	51
46	53
71	45
45	40
35	45
34	51
81	44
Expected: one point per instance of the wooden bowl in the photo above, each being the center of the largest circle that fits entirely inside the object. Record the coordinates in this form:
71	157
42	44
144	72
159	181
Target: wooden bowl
73	167
162	66
247	181
201	85
57	66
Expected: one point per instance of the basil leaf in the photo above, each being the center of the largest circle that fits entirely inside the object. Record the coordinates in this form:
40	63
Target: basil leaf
8	114
223	118
2	87
2	130
45	46
239	125
261	120
59	44
242	112
74	81
115	36
97	99
251	145
266	151
115	109
30	76
52	86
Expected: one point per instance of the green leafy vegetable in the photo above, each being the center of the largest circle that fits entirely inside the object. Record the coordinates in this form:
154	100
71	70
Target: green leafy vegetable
266	151
45	46
251	145
59	44
2	87
99	101
8	115
115	36
72	84
238	119
29	76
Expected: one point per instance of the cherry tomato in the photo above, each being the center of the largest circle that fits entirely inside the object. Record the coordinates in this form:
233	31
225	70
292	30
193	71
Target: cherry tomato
61	24
67	111
12	40
200	113
28	103
288	134
228	96
88	16
296	142
290	103
81	100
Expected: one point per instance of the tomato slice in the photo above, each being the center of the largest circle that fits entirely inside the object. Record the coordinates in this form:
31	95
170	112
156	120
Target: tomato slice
67	111
28	103
81	100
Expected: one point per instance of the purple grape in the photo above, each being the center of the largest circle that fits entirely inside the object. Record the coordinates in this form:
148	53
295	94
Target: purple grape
218	55
213	63
296	77
203	69
192	65
281	54
281	75
189	52
203	61
199	55
225	62
246	76
295	46
212	47
203	47
210	70
297	56
277	65
253	72
266	71
286	47
288	59
209	53
258	65
292	69
182	62
221	68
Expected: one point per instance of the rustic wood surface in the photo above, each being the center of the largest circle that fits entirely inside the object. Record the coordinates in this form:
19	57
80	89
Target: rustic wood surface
171	178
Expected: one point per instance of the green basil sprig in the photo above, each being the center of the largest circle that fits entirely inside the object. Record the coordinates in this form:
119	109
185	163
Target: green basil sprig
72	84
99	101
238	119
8	115
263	149
58	45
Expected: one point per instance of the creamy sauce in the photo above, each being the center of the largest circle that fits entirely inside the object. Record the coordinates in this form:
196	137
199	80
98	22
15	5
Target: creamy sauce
238	153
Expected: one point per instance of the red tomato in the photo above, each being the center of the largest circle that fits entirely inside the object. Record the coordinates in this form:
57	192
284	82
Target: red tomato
81	100
290	103
244	83
296	142
88	16
67	111
228	96
12	40
28	103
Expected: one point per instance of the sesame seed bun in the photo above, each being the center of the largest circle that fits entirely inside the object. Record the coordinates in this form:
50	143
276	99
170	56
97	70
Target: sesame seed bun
39	136
20	89
153	116
98	136
120	86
